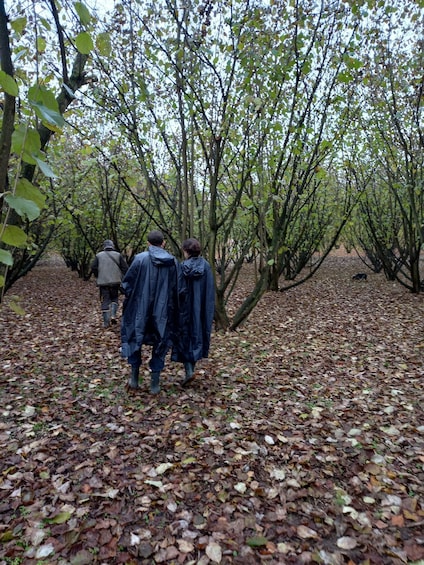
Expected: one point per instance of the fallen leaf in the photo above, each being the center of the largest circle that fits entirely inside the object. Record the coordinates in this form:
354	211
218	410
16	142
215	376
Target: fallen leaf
306	533
347	543
256	541
163	467
214	552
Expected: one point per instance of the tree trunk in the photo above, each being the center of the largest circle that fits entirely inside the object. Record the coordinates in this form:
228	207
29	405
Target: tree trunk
249	304
9	107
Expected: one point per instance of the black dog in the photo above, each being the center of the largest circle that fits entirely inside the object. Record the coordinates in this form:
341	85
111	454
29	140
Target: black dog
360	277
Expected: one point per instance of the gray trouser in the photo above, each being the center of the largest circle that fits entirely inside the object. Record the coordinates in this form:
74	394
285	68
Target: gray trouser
108	294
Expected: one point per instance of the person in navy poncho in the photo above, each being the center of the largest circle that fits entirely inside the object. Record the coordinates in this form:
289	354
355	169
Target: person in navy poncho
150	309
196	309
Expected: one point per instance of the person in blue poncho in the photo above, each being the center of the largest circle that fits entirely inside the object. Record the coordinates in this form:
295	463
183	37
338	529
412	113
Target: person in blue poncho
196	309
150	309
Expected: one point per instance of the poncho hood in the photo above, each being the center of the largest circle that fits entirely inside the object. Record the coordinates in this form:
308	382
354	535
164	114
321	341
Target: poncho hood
194	267
160	257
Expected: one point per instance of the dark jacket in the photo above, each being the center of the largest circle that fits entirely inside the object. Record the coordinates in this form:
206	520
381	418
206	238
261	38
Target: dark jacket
150	308
197	308
109	267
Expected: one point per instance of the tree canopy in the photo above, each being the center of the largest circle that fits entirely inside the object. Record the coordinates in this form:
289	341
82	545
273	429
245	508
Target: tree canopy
271	131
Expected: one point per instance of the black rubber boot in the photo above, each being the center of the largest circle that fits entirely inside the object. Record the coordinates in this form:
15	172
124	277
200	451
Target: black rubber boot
113	311
154	383
106	318
133	382
189	376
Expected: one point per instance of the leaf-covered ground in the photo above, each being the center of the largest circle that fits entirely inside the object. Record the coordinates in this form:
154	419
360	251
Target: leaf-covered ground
301	439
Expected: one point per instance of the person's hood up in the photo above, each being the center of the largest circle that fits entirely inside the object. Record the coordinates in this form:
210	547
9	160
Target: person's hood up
160	257
194	267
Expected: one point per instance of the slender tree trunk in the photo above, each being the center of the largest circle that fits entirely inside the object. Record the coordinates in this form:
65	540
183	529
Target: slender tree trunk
9	107
249	304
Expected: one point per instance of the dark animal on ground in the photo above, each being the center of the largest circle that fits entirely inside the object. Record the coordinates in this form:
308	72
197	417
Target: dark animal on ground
360	277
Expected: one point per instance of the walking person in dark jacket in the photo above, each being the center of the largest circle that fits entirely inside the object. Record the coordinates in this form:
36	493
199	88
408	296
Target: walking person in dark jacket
196	309
109	266
150	309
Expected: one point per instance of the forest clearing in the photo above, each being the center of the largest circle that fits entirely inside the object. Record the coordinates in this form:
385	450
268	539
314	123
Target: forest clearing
301	439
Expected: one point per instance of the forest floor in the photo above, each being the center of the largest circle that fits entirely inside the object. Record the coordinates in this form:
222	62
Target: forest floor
301	440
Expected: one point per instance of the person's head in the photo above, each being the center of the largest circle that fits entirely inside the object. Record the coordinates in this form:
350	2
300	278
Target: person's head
156	238
191	247
108	245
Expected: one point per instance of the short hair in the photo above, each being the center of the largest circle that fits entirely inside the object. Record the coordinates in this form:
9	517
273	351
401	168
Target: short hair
192	247
155	237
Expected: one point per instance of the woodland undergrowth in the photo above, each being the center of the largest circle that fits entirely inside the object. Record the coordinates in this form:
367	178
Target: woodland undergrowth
301	439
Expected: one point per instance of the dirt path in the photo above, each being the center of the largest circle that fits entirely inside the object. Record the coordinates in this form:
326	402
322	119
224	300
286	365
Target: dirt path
300	441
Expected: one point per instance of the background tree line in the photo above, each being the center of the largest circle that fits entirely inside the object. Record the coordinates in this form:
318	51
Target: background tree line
269	130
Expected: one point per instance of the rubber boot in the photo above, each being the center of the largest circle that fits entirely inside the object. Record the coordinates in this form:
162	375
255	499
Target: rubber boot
106	318
133	382
189	376
113	311
154	383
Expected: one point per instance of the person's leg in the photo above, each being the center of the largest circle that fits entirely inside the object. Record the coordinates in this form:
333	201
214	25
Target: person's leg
114	297
189	373
156	364
135	361
105	300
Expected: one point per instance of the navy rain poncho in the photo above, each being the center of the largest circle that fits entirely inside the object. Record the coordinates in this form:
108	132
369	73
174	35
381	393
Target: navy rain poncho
197	308
150	308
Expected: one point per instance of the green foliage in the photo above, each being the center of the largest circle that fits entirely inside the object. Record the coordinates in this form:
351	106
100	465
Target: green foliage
22	152
6	258
84	42
26	143
23	206
390	162
83	13
8	84
233	123
12	235
46	107
103	44
25	189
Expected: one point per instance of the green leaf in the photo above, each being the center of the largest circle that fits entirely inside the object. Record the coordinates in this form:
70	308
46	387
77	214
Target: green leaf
344	77
16	307
19	24
1	285
13	235
188	461
256	541
60	518
50	118
40	95
103	44
8	84
84	43
353	63
45	168
26	142
8	534
41	44
83	13
45	23
23	207
25	189
6	258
